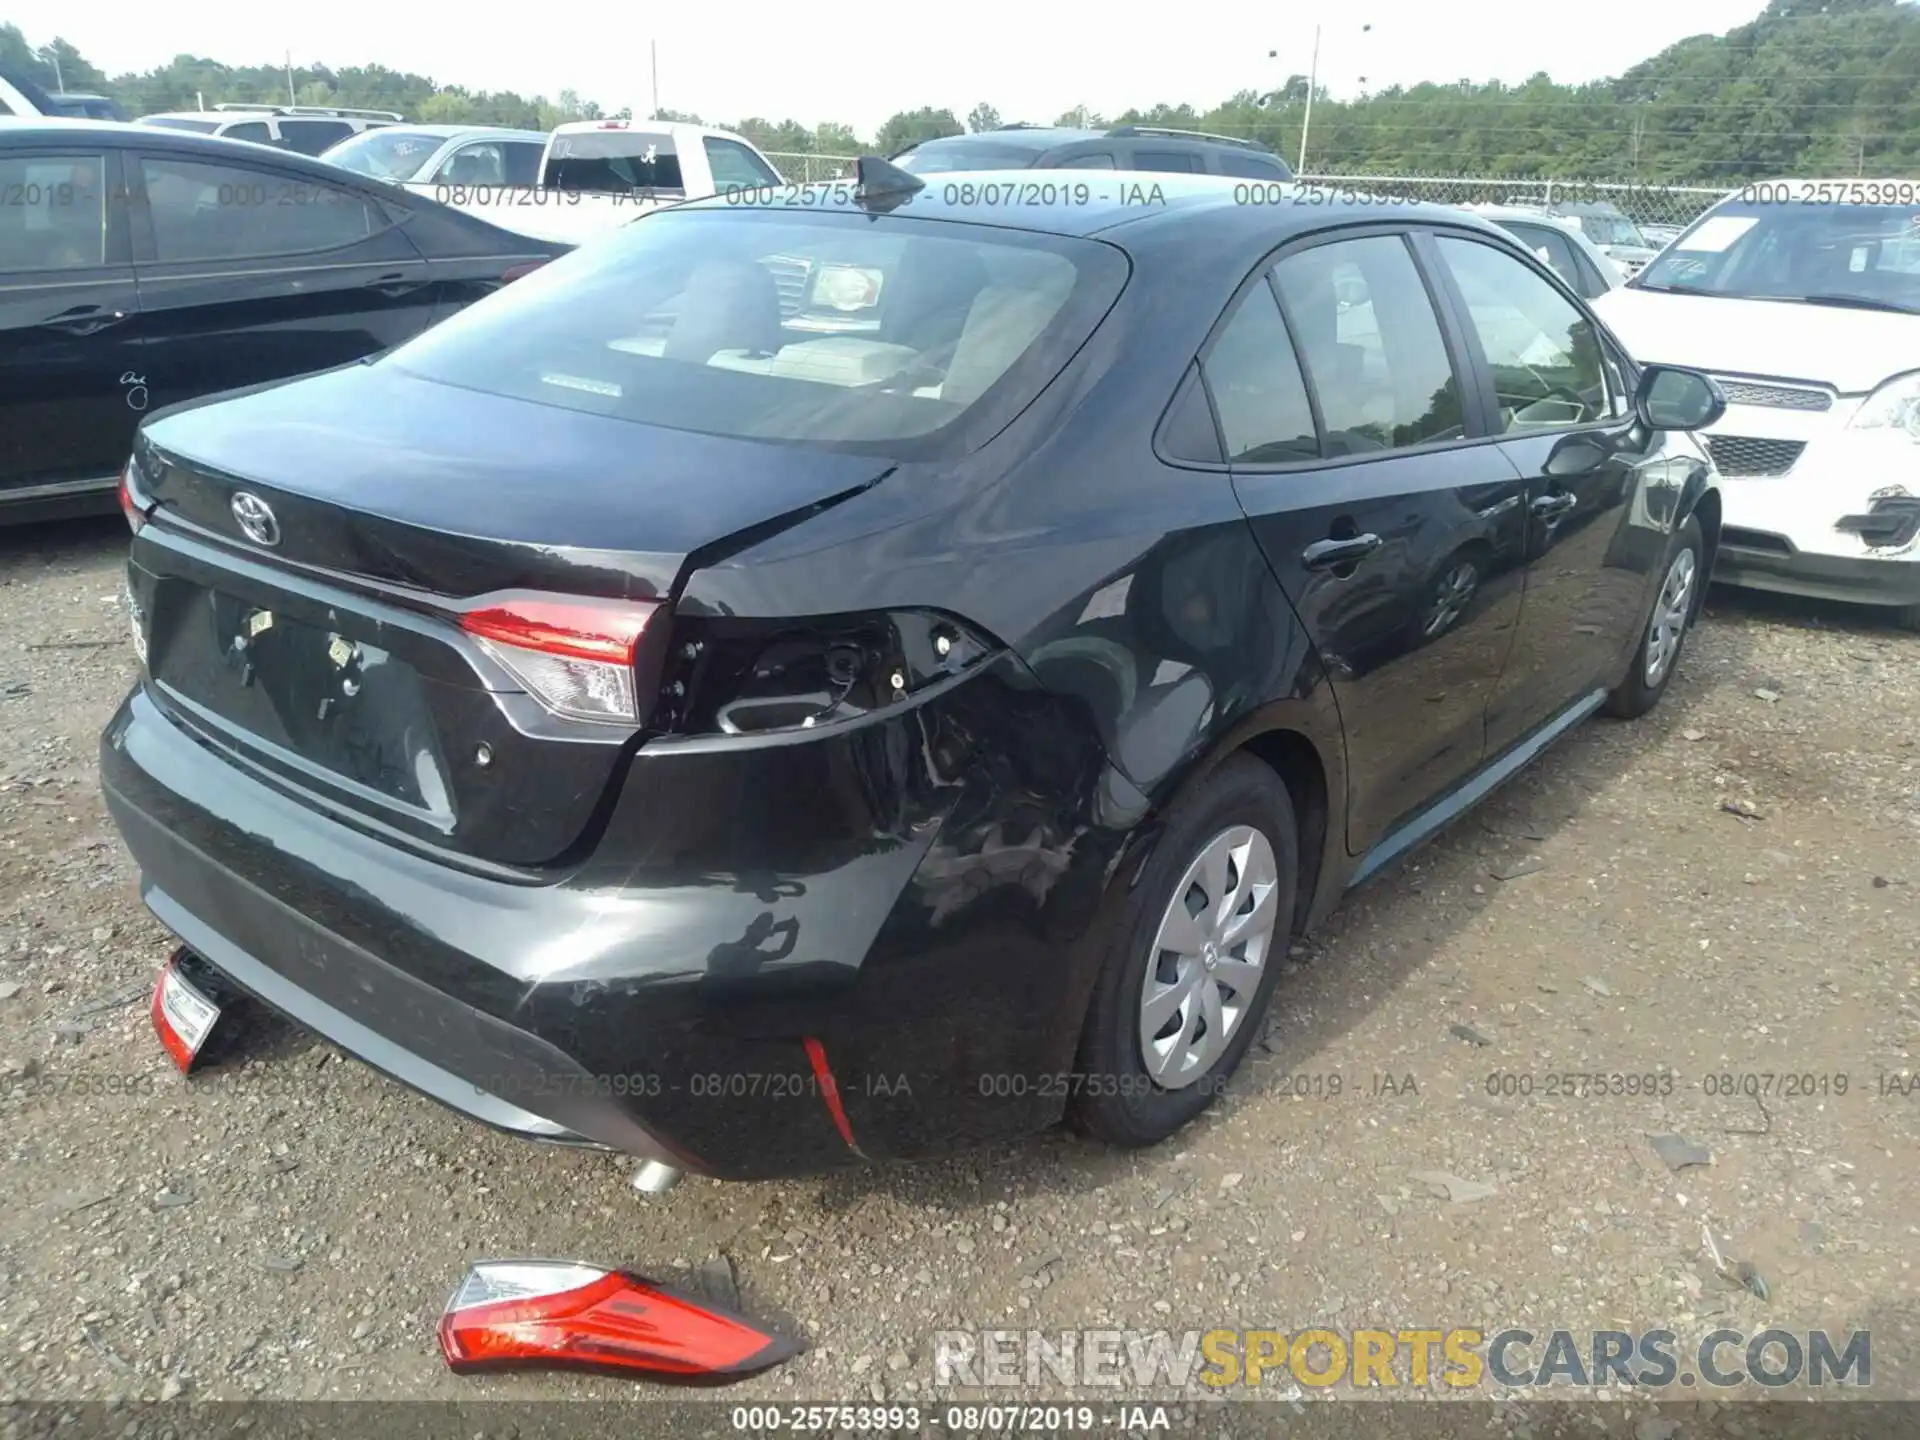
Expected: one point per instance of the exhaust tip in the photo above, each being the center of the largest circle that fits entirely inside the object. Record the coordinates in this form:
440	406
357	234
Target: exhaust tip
655	1178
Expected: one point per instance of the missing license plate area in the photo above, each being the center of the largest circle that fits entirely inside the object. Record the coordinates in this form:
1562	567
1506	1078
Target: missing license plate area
347	707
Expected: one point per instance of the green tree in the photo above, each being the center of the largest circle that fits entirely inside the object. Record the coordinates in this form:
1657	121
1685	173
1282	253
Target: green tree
983	117
910	127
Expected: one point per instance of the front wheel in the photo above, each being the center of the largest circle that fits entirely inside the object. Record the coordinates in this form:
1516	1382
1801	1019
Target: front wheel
1673	610
1186	987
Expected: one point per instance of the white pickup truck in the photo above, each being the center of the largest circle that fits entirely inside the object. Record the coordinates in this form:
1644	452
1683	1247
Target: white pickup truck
598	175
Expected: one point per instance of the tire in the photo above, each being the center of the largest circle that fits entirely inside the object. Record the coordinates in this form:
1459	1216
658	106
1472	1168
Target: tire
1907	617
1243	809
1676	603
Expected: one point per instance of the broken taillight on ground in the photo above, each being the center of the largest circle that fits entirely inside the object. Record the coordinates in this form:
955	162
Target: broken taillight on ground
183	1013
515	1314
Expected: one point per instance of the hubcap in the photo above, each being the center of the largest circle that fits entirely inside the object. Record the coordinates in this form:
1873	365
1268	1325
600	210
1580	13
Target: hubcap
1670	613
1451	598
1208	956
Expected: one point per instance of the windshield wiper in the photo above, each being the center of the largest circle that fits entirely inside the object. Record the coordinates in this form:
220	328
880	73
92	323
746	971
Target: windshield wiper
1854	302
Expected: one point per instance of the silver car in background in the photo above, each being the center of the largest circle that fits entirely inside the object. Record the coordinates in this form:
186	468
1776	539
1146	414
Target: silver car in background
428	155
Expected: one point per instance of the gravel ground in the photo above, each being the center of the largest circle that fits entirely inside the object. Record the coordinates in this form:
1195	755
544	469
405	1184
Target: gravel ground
288	1226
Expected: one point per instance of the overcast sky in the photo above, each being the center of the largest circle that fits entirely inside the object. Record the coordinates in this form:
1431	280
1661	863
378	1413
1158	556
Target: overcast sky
814	62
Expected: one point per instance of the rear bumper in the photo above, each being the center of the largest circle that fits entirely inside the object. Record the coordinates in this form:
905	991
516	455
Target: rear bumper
676	996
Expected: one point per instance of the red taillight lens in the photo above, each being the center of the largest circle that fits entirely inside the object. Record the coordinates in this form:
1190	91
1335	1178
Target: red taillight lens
576	656
516	272
129	505
512	1314
182	1016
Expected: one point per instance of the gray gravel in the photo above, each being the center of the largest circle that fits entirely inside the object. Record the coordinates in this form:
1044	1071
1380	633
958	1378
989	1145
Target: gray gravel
1727	887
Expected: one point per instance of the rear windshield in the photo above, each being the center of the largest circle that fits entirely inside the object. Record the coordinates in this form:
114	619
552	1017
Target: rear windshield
1868	255
840	330
616	162
1604	229
386	154
941	157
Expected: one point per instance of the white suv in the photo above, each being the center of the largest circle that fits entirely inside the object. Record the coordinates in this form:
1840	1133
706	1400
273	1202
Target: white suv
1803	298
304	129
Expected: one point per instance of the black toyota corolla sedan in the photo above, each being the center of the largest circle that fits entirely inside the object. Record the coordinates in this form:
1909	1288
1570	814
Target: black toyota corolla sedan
846	674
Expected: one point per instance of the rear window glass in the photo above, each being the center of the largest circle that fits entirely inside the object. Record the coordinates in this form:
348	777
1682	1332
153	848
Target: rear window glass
614	162
390	154
839	330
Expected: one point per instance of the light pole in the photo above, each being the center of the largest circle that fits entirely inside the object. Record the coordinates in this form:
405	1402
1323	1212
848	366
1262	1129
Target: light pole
52	56
1306	122
1313	84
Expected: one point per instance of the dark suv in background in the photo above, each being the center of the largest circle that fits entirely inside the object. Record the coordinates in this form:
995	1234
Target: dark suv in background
1128	147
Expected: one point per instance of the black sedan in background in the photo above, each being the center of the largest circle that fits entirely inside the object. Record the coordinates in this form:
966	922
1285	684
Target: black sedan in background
140	267
639	712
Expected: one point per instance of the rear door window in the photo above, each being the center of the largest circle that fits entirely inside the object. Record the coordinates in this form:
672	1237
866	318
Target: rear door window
1093	160
255	131
484	162
310	137
227	212
1176	161
53	212
1372	345
1250	165
523	162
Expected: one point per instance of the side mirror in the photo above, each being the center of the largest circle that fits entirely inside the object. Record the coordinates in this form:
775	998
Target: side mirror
1670	398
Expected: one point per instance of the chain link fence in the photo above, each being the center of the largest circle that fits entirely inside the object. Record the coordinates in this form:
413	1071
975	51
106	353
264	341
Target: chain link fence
803	168
1669	207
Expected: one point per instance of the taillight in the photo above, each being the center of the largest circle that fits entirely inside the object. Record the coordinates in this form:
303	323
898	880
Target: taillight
576	656
510	1314
516	272
130	505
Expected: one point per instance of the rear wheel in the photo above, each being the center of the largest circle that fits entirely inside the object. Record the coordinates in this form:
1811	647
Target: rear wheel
1186	987
1907	617
1674	607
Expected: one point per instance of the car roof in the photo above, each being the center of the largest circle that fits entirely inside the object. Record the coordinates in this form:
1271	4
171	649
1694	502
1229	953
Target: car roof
1527	213
1145	204
450	132
675	130
39	129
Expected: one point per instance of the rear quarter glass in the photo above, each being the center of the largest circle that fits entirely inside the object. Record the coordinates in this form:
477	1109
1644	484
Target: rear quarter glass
840	330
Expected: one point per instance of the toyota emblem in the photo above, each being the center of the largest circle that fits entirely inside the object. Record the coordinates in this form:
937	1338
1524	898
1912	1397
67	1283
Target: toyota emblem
256	518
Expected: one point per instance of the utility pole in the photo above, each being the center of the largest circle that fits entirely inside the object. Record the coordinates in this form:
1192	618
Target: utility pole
1313	80
52	56
290	96
654	46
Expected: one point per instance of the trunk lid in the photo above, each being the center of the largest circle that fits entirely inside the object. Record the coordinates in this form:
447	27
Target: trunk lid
333	660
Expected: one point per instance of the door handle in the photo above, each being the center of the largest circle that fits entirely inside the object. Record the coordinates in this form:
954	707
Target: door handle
83	320
395	285
1552	507
1331	554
